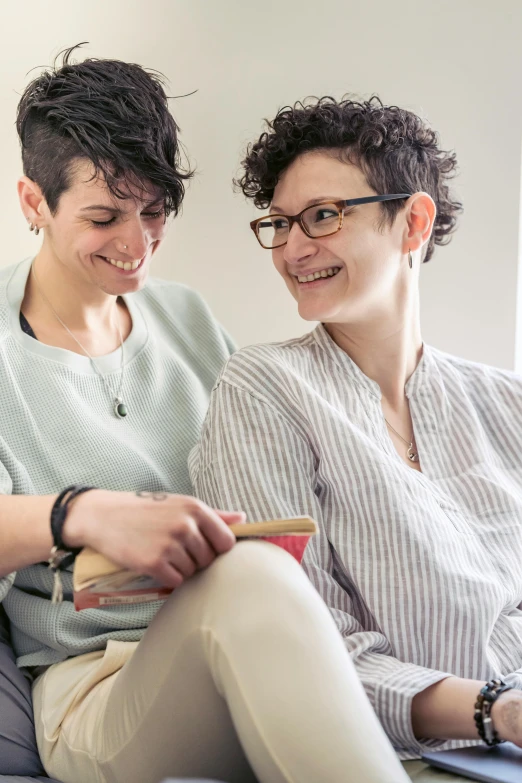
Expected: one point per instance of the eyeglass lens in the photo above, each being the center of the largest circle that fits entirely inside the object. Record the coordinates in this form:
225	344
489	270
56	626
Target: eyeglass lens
319	221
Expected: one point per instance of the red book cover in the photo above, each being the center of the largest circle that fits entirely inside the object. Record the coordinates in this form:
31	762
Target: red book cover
294	545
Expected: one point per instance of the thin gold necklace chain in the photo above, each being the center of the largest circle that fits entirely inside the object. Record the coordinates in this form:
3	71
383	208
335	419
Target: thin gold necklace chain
407	442
411	454
116	396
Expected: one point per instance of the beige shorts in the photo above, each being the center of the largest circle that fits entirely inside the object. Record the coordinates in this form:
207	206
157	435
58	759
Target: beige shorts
66	697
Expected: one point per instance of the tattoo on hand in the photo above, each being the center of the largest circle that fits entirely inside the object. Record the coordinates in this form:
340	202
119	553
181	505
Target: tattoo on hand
152	495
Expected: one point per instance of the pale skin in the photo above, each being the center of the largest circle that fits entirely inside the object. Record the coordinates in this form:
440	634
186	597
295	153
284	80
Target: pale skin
167	536
371	310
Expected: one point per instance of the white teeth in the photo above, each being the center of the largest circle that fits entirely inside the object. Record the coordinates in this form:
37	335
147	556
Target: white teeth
317	275
127	265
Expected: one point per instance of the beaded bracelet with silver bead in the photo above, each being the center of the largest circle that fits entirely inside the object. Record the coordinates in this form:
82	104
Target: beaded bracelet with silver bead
485	701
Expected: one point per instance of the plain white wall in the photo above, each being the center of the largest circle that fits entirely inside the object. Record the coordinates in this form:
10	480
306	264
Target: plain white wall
456	62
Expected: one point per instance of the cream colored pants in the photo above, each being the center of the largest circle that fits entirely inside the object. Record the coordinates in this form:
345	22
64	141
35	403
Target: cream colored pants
241	676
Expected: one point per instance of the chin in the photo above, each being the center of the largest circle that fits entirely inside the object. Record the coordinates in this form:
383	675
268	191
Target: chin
125	284
310	312
120	288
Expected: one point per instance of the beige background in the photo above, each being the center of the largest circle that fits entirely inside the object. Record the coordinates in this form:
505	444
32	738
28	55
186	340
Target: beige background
457	62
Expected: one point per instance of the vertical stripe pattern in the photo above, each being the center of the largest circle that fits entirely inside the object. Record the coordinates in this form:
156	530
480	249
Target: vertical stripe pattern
422	571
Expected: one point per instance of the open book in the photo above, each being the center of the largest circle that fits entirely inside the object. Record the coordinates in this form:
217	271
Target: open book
97	582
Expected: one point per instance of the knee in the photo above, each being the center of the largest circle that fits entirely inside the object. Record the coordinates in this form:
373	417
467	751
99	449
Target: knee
257	574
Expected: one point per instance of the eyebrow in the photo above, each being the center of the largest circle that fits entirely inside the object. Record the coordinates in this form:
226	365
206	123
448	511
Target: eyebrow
278	211
116	210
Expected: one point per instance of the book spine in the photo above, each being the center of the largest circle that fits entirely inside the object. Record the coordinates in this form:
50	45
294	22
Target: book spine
85	599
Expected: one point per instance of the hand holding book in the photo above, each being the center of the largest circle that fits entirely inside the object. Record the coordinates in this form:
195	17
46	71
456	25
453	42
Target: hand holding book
164	535
98	582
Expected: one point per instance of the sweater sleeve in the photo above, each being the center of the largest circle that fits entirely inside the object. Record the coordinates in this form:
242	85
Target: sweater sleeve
6	582
252	458
229	342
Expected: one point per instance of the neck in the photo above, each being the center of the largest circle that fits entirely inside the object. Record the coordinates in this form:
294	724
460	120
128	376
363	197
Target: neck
80	304
387	350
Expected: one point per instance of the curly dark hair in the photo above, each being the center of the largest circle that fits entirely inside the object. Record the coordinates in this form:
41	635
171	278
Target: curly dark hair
114	114
395	149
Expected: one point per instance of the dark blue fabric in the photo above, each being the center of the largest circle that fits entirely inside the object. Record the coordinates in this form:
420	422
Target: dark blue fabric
18	751
25	779
26	326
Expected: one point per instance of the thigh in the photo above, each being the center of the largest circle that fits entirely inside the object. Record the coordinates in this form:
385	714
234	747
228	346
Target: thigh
420	772
18	751
172	705
243	659
141	712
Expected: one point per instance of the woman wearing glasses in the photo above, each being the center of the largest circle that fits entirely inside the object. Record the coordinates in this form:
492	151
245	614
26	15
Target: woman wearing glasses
408	458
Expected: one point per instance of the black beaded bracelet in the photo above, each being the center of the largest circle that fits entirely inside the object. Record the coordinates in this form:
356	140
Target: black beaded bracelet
485	701
61	555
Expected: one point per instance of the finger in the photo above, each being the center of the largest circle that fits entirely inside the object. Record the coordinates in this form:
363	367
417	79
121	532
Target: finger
214	528
167	575
182	560
200	550
231	517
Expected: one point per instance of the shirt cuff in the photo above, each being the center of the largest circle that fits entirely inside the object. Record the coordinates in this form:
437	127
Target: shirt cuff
392	699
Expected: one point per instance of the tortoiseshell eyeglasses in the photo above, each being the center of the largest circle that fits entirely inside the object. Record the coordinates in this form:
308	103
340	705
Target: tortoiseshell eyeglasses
319	220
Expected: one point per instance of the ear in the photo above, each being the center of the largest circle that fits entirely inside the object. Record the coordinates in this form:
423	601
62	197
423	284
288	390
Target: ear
32	201
420	217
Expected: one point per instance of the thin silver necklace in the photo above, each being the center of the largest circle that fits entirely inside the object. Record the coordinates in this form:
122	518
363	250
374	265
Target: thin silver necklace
119	407
411	454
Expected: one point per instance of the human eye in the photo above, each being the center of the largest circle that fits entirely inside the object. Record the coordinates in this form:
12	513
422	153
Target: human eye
325	213
154	215
103	223
279	223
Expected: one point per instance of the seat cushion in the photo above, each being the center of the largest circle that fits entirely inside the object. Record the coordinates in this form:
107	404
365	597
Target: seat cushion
18	751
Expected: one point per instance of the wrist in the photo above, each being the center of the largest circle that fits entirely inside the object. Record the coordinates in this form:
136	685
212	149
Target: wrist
80	520
506	714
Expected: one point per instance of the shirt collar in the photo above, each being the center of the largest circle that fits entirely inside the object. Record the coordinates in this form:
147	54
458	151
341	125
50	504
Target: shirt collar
354	372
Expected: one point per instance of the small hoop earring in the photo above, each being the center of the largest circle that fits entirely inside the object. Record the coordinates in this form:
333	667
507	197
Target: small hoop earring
410	259
36	231
31	227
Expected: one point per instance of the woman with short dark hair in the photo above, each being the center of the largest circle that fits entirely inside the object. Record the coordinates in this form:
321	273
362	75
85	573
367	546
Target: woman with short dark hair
105	377
409	459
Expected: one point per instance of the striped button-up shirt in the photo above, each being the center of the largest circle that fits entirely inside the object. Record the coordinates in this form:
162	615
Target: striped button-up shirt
421	570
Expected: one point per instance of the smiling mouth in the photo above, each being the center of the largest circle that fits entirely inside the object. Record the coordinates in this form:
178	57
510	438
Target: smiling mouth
330	272
125	266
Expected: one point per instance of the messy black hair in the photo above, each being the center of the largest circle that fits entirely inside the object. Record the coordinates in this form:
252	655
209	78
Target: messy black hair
112	113
395	149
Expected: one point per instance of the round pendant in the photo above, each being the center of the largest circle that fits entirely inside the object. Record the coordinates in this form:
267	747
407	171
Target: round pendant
120	409
411	455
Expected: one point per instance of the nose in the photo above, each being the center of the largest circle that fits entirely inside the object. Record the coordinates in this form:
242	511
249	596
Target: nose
136	238
299	247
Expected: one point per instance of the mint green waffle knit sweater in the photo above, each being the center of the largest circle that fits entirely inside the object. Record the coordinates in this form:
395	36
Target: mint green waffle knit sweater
57	427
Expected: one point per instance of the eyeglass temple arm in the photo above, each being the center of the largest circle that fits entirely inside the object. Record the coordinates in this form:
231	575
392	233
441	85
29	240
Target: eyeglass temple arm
352	202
